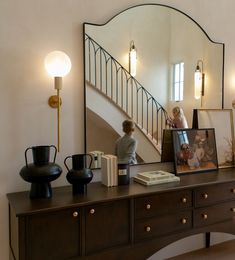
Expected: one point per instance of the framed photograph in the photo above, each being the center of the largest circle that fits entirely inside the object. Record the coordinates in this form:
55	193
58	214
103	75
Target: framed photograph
194	150
222	121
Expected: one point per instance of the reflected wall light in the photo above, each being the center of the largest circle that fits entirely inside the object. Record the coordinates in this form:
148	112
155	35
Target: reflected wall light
132	59
199	80
58	65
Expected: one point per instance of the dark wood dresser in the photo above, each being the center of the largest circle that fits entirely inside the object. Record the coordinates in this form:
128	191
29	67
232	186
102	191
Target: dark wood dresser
120	222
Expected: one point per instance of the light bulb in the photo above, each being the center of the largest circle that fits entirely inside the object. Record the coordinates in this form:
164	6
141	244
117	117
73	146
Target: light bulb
57	64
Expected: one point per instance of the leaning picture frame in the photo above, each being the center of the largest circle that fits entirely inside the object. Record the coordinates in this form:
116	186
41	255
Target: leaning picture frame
194	150
222	121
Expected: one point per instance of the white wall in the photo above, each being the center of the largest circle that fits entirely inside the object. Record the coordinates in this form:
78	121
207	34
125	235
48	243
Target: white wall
28	31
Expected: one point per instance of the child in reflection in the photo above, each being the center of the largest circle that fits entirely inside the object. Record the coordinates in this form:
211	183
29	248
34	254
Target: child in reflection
178	120
125	147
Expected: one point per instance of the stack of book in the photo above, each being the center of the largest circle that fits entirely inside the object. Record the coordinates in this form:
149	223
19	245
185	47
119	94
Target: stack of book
155	177
96	156
109	175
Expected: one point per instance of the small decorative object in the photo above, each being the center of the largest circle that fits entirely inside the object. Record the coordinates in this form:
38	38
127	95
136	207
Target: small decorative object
194	150
41	172
79	176
123	174
96	156
218	119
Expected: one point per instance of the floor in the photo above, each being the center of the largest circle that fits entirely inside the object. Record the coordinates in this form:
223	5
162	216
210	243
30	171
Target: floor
224	251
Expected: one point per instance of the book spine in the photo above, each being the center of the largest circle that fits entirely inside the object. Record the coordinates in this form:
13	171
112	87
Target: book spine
113	169
105	171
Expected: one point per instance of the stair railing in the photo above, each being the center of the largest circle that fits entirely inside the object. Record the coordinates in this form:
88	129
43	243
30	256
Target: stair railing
107	75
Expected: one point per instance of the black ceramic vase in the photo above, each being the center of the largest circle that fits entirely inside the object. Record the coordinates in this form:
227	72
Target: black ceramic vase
79	176
41	172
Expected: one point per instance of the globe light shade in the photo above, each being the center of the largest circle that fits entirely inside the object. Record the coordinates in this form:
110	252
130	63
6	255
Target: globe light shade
57	64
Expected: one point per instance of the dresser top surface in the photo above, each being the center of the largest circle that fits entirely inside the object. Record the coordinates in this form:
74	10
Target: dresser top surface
96	192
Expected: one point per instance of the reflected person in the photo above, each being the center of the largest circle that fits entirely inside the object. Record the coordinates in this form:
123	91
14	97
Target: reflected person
179	120
125	147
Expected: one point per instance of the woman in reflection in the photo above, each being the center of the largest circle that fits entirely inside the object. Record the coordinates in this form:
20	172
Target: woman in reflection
125	147
179	119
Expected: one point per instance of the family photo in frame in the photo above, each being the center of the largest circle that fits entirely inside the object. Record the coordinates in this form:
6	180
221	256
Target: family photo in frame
194	150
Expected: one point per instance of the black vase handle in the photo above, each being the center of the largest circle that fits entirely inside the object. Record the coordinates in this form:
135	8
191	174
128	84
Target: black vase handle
25	156
91	159
65	162
55	151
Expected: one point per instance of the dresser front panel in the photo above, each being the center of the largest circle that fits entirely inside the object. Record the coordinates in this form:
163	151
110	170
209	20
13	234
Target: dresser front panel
162	203
163	225
214	214
53	235
212	194
107	225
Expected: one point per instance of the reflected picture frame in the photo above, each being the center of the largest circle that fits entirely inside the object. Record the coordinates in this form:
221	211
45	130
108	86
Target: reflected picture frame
222	121
194	150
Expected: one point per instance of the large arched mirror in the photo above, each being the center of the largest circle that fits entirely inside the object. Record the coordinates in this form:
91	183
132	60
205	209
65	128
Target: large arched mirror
169	45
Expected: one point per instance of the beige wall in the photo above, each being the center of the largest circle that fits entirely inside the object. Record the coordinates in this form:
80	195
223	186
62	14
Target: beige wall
28	31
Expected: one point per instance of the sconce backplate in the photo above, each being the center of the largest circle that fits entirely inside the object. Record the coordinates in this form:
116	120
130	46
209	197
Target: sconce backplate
53	101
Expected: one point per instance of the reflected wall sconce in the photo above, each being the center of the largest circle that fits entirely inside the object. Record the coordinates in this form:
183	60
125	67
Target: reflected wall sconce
199	80
58	65
132	59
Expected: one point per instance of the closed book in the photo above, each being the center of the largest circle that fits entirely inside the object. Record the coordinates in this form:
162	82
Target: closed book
113	171
155	175
106	170
154	182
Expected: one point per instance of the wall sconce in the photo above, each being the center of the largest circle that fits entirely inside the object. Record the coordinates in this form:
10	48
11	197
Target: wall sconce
132	59
58	65
199	80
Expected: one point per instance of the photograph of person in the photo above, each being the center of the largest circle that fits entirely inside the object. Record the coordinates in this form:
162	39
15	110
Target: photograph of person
194	150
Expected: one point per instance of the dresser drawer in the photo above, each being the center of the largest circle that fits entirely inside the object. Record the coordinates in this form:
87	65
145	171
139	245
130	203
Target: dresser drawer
212	194
214	214
163	225
162	203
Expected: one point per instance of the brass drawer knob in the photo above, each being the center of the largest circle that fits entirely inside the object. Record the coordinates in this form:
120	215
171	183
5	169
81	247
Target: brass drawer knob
148	206
92	211
75	214
184	200
148	229
204	216
183	220
233	209
233	190
205	196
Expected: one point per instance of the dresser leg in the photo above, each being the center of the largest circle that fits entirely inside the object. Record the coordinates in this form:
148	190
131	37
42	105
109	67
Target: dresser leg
208	238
